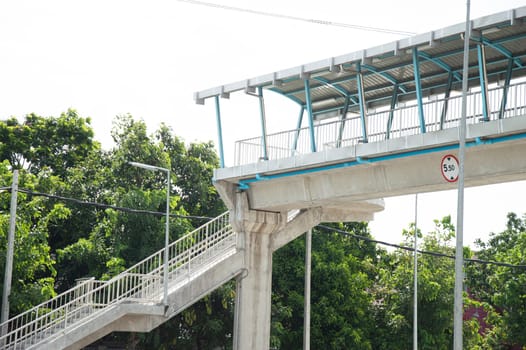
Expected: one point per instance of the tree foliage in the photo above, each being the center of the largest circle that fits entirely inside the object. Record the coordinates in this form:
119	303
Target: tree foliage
362	295
501	288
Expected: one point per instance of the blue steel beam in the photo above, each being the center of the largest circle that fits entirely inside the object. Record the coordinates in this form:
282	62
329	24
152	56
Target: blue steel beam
394	101
418	90
441	64
385	75
354	97
446	100
339	89
497	44
263	123
309	114
335	82
507	80
342	122
483	77
298	128
219	134
361	99
500	49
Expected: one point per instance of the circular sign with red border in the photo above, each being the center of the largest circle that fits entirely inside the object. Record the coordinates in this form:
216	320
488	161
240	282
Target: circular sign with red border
449	166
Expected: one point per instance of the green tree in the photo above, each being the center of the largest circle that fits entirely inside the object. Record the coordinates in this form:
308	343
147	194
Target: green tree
33	266
503	288
342	274
39	143
393	307
131	236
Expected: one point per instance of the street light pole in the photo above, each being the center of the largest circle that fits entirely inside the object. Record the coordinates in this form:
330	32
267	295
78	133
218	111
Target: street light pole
167	226
10	250
415	280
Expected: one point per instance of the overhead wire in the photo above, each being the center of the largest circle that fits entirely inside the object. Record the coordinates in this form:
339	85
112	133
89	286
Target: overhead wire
437	254
109	206
328	228
297	18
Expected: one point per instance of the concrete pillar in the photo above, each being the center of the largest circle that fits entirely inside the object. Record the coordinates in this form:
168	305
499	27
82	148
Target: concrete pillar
254	288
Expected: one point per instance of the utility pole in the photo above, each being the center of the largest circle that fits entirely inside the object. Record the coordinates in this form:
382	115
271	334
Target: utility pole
458	309
306	319
10	250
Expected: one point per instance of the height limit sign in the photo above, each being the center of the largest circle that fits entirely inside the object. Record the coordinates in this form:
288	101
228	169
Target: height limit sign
450	168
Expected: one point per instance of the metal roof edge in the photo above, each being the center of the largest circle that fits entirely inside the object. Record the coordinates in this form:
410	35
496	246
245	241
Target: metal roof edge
417	40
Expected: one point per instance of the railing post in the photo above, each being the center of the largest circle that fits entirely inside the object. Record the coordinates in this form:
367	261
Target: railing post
65	316
189	259
206	238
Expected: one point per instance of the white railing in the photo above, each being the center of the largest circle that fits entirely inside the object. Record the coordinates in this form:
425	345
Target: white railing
141	283
405	122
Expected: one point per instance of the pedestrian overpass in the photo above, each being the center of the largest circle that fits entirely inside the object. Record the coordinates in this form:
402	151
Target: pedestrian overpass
378	122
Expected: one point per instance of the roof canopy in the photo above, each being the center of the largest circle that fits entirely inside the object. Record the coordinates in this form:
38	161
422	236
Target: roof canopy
435	58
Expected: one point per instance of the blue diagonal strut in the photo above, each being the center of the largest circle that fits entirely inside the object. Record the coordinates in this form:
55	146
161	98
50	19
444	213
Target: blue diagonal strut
361	99
441	64
418	90
219	134
483	78
308	102
507	80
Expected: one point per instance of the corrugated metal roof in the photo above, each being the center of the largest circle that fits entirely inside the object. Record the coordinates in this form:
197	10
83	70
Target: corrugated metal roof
390	66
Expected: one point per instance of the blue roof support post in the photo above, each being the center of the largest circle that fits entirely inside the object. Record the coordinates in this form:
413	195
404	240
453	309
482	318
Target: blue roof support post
483	75
219	134
308	102
361	100
342	122
298	130
263	123
394	101
418	89
446	100
506	88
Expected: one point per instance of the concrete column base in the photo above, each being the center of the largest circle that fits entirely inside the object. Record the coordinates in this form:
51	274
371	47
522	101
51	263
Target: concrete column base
254	288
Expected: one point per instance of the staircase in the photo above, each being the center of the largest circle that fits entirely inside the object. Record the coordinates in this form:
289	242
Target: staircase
198	262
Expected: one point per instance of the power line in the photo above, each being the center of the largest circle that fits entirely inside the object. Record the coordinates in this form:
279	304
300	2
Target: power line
156	213
437	254
302	19
109	206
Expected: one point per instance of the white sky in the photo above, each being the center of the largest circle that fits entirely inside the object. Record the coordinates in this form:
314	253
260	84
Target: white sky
147	58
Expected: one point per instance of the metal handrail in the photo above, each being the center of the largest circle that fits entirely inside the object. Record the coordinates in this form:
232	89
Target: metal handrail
384	124
140	283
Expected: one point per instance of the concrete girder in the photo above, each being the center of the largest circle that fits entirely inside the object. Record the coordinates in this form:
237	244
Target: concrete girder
292	178
419	173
